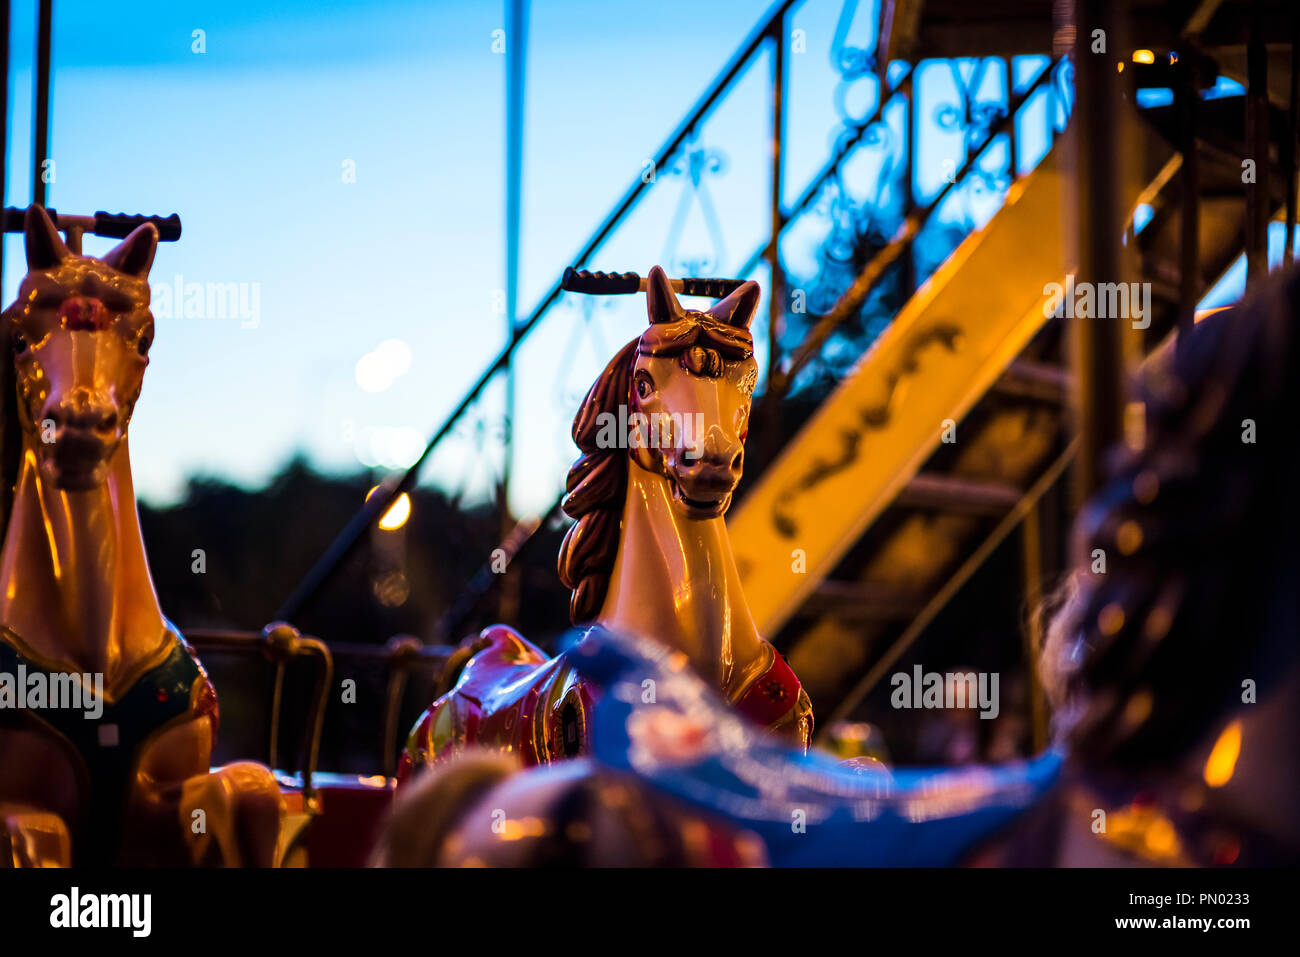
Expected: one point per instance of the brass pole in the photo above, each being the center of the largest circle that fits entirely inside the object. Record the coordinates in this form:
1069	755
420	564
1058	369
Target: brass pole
1031	551
1099	152
772	428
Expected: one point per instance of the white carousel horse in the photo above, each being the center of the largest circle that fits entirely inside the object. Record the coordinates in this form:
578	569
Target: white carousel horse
662	435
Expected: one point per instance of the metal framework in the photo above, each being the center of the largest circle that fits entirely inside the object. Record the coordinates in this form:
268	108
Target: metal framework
983	123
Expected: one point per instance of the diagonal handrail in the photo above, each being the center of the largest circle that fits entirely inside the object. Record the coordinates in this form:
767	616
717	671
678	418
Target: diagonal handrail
848	302
379	503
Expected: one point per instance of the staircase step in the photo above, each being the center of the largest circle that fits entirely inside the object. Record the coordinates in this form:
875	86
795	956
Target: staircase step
1042	381
863	601
947	493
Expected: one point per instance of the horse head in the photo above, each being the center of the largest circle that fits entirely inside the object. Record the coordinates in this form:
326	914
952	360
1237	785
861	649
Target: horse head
684	389
693	381
79	334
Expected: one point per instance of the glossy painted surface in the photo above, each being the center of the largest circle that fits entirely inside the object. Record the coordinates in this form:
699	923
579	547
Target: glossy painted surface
76	596
671	576
511	698
688	748
678	778
662	432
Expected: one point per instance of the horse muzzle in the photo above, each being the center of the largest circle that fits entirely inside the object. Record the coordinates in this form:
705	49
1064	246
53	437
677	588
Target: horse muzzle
703	490
77	460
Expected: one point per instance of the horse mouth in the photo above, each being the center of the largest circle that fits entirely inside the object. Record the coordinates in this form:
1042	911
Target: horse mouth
79	478
78	460
704	504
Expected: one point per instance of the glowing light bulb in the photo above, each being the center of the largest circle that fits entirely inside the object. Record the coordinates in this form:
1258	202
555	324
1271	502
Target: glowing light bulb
1223	759
397	513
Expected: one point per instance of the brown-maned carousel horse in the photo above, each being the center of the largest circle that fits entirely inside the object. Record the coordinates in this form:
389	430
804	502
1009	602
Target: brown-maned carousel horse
662	435
1174	671
107	719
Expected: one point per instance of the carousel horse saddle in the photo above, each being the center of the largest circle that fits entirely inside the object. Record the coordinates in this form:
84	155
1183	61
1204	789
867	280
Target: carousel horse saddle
105	737
511	696
684	742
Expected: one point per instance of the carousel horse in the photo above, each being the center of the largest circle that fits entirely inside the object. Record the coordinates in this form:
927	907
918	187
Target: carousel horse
662	435
684	779
107	718
1175	675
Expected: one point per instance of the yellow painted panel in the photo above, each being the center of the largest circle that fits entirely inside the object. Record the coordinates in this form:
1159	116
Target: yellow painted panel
943	351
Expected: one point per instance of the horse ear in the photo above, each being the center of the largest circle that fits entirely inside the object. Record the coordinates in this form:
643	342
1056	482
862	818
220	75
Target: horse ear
134	255
660	300
738	308
45	247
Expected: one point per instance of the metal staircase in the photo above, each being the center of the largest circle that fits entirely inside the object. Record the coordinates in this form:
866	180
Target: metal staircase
871	517
946	435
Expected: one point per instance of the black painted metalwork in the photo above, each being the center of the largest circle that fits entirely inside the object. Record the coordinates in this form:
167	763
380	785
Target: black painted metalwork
41	114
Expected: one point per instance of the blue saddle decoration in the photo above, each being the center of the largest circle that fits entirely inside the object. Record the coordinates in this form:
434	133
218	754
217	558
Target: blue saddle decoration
807	808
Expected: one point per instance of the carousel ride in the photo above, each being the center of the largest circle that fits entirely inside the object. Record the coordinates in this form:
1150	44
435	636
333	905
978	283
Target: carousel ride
671	730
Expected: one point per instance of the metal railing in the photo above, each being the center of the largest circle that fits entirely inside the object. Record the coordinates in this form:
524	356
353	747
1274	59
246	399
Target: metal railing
770	30
916	219
771	33
282	646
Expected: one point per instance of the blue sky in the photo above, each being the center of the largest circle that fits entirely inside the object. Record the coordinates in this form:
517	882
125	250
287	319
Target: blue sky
248	141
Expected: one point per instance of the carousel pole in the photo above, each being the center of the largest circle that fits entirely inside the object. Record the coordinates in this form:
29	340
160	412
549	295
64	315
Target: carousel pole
772	429
41	140
1099	152
1258	201
4	120
516	50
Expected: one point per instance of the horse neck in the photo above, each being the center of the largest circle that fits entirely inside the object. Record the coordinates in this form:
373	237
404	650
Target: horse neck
74	580
675	581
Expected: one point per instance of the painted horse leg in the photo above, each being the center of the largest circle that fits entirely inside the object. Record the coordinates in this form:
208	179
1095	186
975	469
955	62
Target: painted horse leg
31	837
231	817
180	814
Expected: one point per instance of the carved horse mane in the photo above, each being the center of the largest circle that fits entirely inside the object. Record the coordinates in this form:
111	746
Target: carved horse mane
597	483
662	435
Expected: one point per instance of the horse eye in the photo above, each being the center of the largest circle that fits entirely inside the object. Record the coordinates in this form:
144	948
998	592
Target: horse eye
643	386
18	342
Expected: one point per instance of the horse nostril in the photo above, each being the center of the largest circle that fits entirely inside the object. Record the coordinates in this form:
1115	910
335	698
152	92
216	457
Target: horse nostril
84	419
736	462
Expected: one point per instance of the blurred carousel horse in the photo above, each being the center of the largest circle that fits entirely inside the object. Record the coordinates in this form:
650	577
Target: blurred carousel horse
662	435
685	780
109	762
1175	675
